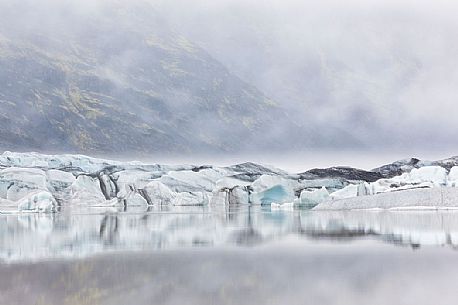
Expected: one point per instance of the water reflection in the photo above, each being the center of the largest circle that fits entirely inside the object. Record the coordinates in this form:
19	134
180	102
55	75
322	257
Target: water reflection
78	233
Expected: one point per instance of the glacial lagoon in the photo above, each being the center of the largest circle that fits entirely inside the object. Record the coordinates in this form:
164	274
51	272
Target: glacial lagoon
228	255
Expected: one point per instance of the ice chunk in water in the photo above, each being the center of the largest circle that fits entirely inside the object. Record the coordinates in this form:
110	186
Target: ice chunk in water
277	193
40	201
312	198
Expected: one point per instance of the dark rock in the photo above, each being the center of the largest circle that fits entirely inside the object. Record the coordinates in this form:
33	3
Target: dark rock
397	168
347	173
250	171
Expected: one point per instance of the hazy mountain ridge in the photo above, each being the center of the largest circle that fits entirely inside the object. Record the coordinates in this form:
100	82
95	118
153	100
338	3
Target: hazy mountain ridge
110	78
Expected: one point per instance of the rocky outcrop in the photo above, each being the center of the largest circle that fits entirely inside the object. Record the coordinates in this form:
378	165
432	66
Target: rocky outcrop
342	172
397	168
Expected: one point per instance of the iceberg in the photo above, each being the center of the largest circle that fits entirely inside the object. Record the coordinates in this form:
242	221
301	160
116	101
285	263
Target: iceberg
347	192
420	198
274	194
85	190
269	189
64	181
312	198
158	193
40	201
17	183
433	174
59	180
238	195
426	187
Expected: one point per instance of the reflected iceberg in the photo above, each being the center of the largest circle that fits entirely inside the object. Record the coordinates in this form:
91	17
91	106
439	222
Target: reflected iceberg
32	236
413	228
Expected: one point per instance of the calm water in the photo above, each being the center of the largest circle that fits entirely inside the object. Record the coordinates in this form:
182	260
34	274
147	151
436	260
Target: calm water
248	255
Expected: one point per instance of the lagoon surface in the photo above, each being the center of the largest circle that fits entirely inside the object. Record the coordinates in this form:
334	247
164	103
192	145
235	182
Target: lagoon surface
228	255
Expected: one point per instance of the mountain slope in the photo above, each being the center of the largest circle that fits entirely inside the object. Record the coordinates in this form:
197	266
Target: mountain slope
110	77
